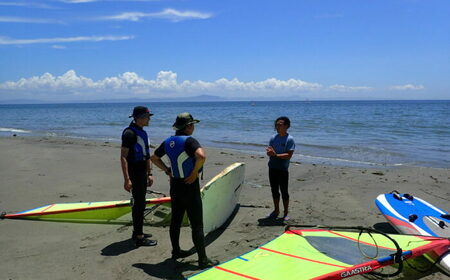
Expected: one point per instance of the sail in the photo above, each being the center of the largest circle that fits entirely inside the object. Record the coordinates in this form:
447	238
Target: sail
112	212
219	198
317	253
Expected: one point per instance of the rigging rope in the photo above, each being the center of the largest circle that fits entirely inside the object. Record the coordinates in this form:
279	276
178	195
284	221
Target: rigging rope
396	257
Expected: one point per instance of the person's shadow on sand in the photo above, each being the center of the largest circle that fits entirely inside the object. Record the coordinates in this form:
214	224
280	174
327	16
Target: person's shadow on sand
167	269
270	221
118	248
171	269
385	227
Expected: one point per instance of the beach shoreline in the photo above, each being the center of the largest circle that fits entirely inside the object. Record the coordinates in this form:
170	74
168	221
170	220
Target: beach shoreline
36	171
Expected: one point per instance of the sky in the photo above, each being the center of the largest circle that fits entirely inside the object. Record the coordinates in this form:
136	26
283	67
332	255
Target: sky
87	50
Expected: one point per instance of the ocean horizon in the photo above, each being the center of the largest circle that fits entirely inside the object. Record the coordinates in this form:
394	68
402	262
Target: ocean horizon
342	132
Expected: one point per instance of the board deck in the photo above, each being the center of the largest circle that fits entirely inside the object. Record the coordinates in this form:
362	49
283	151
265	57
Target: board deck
220	196
412	215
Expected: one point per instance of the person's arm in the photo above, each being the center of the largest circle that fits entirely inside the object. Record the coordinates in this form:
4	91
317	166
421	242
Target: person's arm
156	159
158	162
149	173
269	149
200	159
127	185
287	155
290	147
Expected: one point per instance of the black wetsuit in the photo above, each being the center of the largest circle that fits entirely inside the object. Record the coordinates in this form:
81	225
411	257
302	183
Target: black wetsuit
137	170
186	198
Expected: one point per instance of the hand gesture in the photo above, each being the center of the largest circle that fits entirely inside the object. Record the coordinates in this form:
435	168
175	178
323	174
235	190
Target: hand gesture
270	151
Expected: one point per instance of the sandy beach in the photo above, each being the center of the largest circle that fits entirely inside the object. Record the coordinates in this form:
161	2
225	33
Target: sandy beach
36	171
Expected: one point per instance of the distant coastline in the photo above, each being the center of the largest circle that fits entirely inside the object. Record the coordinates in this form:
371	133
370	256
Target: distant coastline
204	98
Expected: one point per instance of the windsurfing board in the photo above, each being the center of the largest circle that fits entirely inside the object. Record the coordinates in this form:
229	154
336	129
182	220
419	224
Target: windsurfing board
220	196
321	254
412	215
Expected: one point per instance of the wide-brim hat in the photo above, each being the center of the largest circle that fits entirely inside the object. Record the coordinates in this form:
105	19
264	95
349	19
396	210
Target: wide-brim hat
183	120
140	112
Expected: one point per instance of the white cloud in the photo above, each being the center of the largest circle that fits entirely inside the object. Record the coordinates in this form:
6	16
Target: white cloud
10	41
169	14
130	16
342	88
59	47
175	15
27	5
73	86
27	20
407	87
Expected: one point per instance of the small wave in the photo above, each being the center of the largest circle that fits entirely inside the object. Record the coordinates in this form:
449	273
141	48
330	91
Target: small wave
15	130
349	161
51	134
239	143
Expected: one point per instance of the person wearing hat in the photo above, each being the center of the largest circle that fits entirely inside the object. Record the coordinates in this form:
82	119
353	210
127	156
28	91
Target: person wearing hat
137	170
186	160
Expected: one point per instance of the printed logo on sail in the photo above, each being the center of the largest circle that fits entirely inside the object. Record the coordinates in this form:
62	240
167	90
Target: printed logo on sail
355	271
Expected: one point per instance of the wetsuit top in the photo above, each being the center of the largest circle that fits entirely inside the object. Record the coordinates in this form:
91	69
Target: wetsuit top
136	140
181	151
281	145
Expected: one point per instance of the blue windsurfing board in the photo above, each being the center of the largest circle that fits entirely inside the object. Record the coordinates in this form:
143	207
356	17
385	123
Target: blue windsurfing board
413	215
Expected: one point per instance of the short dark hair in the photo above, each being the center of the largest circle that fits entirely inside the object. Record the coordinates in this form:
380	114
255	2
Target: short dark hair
286	120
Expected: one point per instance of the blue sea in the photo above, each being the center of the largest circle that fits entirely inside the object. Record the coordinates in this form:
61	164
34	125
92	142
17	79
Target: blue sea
350	133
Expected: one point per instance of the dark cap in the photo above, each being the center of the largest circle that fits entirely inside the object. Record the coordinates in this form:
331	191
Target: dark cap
183	120
140	111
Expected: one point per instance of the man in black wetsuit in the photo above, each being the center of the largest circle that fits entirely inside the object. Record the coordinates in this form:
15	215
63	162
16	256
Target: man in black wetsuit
137	170
186	159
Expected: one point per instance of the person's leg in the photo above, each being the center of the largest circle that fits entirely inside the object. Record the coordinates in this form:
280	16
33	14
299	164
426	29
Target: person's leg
138	191
195	214
178	210
284	183
274	186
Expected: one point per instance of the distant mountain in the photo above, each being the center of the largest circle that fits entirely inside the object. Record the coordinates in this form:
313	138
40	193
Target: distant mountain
206	97
23	101
197	98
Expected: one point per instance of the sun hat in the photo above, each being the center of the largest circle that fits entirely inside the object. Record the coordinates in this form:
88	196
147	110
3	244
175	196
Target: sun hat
140	111
183	120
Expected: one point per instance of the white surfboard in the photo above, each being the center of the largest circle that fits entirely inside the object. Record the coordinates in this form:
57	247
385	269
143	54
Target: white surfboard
220	196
